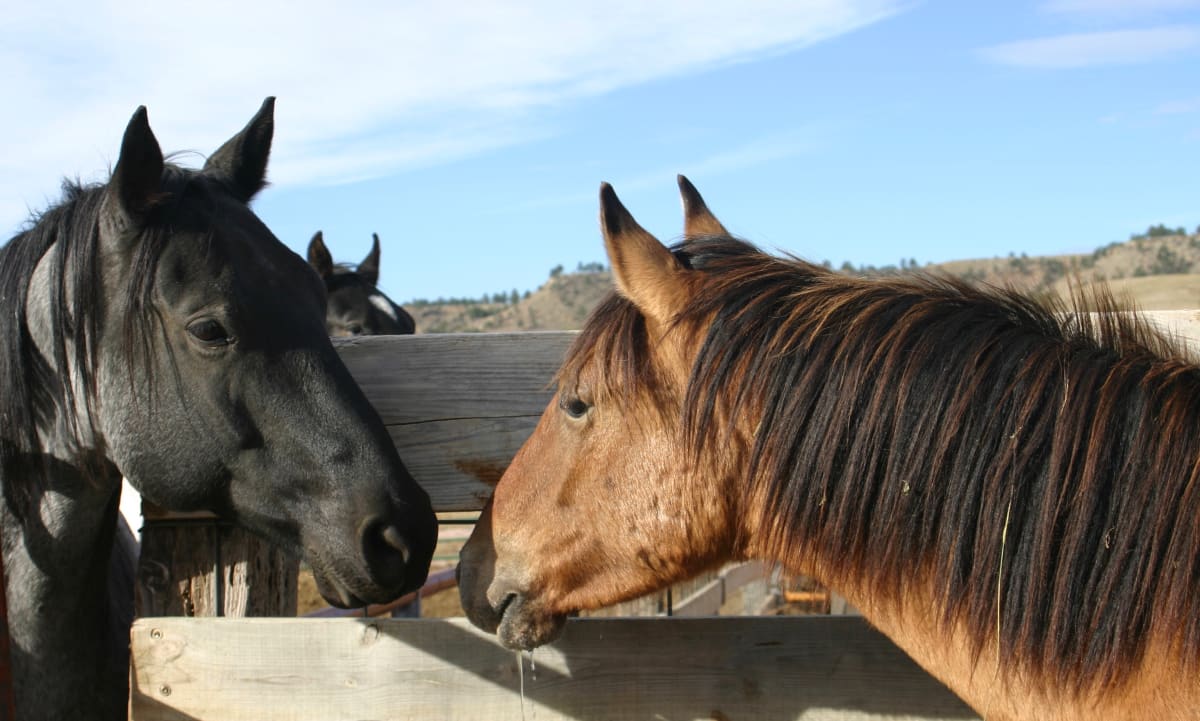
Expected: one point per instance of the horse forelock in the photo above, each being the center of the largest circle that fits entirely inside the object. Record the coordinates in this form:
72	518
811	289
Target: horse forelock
615	341
1013	452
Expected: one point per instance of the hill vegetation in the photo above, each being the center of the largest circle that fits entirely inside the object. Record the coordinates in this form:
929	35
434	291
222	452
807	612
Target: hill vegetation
1158	269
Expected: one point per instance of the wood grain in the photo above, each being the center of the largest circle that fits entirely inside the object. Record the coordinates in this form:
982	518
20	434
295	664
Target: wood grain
458	406
389	670
208	568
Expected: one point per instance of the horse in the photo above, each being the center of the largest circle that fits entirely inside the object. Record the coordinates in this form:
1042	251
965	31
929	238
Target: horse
356	306
154	327
1008	490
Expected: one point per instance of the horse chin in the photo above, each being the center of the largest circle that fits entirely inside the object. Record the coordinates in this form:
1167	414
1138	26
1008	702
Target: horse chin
523	627
335	593
340	590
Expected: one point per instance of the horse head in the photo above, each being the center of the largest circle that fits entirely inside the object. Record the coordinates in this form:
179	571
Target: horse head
356	306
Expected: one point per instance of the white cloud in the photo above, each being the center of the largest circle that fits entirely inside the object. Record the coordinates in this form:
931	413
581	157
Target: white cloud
1117	8
1178	107
364	88
1121	47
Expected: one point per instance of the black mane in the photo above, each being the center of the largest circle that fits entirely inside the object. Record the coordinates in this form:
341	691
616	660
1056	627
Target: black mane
33	389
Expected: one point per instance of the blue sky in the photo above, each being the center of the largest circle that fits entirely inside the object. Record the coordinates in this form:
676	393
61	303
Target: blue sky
473	137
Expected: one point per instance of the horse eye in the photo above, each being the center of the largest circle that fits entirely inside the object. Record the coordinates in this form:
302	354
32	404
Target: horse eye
575	407
209	332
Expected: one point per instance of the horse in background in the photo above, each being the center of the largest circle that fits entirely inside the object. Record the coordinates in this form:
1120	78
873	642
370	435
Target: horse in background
1007	487
155	328
356	306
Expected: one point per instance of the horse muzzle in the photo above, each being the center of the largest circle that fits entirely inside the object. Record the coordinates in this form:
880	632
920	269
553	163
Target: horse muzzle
498	607
523	626
389	559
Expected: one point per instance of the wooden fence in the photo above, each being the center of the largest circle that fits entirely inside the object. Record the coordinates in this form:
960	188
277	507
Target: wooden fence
458	407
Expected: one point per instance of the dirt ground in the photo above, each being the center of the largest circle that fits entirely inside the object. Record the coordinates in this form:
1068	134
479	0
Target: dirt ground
443	604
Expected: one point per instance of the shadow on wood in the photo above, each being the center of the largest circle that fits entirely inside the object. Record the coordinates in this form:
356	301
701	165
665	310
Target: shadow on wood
763	668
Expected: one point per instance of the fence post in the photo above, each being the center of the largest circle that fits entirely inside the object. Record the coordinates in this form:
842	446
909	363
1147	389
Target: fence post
194	564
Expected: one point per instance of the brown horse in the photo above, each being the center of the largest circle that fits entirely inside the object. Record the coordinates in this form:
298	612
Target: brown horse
1009	491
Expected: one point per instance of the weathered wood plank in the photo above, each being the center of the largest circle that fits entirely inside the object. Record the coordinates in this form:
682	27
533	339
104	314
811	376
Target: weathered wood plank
459	461
458	406
388	670
419	378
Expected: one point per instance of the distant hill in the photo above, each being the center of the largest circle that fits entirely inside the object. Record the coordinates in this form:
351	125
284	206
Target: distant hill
562	303
1141	265
1159	270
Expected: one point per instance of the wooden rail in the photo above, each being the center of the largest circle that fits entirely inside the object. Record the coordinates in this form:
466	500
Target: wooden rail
458	406
663	668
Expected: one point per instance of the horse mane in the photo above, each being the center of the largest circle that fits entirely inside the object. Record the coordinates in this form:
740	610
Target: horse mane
36	390
1037	465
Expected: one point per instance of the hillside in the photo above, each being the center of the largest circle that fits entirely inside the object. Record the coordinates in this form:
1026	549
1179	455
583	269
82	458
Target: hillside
562	303
1160	271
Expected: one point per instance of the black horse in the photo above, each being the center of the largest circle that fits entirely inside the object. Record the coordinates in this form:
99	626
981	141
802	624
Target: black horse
356	306
153	327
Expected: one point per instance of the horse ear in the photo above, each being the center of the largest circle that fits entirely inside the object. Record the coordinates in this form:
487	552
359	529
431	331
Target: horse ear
646	272
137	179
242	160
318	255
697	218
369	268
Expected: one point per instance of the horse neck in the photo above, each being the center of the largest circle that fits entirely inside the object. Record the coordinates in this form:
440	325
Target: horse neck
69	654
910	606
69	633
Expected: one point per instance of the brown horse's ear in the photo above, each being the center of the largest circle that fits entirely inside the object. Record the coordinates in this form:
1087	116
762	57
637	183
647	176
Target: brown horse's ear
318	255
645	271
368	270
242	160
137	179
697	218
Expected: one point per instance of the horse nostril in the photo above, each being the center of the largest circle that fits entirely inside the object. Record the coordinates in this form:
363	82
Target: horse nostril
386	552
391	535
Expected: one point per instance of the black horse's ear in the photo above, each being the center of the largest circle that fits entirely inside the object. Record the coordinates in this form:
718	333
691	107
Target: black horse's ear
318	255
369	268
137	179
242	160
